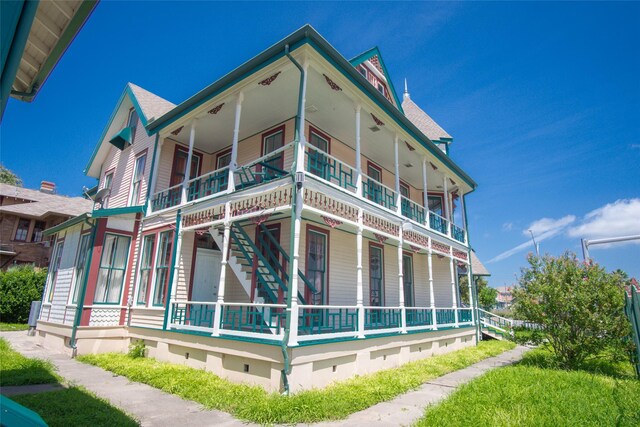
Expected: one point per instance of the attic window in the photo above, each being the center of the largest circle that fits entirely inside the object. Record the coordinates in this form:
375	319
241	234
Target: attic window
124	138
380	88
362	71
133	118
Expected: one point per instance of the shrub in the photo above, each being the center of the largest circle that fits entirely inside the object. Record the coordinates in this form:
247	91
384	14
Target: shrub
18	287
137	349
579	306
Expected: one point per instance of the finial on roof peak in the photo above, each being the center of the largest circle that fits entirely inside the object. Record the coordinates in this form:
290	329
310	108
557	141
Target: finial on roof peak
406	90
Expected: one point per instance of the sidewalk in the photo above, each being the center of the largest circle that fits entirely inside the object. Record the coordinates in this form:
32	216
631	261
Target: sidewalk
153	407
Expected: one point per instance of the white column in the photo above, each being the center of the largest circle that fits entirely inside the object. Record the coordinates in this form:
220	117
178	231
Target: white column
432	297
359	290
233	164
187	173
464	217
154	175
217	316
446	204
403	309
454	298
358	154
424	185
470	293
397	172
174	283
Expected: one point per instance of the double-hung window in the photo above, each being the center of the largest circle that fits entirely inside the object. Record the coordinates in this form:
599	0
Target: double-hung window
23	230
376	275
53	271
272	141
146	268
107	183
318	161
113	265
163	265
81	266
407	279
38	229
136	183
317	265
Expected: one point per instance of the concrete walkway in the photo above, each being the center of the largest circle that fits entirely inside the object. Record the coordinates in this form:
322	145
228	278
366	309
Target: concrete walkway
152	407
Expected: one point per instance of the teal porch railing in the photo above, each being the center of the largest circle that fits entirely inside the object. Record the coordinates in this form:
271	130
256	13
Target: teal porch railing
193	314
412	210
445	316
378	193
330	169
168	198
319	320
465	315
264	169
419	316
457	233
438	223
253	318
208	184
382	318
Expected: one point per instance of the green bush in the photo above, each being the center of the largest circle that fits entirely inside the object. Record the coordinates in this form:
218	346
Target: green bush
137	349
18	287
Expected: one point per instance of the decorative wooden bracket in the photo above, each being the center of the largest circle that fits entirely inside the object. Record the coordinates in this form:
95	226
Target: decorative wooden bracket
333	223
177	131
331	83
216	109
269	80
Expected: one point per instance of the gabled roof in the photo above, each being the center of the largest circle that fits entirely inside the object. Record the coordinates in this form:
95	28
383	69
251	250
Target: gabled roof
38	204
375	56
477	268
148	106
423	121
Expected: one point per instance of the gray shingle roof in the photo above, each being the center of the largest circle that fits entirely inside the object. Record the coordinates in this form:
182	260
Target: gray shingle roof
152	105
38	204
423	121
477	267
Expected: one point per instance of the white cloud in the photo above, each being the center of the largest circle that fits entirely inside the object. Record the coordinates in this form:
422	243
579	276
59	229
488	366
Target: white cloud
507	226
620	218
543	229
548	225
635	146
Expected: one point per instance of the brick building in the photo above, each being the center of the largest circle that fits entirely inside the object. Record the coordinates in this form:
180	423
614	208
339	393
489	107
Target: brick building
25	214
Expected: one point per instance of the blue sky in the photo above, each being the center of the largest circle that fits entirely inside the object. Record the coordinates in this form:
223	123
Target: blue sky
542	99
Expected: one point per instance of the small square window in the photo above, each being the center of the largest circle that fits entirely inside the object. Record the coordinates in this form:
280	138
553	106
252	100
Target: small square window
23	230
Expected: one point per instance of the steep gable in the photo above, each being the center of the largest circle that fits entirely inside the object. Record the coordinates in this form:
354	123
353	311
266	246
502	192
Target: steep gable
424	122
371	66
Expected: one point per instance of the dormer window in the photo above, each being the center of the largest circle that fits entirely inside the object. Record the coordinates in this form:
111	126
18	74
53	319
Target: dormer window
125	137
380	88
133	118
362	71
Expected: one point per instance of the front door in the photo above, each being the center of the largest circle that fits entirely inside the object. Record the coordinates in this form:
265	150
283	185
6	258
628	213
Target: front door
206	275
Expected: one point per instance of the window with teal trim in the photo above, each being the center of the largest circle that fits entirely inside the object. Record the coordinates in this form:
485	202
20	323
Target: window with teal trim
53	269
113	266
146	266
163	265
81	261
317	266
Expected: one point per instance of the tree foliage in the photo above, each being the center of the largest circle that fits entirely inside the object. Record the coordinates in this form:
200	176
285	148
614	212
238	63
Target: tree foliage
486	294
579	305
18	287
8	177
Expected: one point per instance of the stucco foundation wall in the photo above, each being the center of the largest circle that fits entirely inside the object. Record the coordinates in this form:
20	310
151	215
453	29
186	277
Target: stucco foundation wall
88	339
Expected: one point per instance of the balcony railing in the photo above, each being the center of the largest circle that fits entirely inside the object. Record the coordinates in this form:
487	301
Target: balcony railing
378	193
412	210
208	184
264	169
330	169
438	223
312	322
168	198
457	233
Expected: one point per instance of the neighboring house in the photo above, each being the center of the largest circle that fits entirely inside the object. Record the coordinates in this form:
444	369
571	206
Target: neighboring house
504	299
34	36
299	170
25	214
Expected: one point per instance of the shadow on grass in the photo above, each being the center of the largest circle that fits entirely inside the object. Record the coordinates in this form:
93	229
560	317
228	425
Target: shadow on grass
544	358
30	374
74	407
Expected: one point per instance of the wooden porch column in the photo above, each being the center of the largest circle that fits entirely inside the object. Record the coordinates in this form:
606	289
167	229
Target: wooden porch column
403	309
359	290
358	154
464	218
154	173
233	164
397	172
217	315
473	320
187	172
425	196
446	207
432	297
454	299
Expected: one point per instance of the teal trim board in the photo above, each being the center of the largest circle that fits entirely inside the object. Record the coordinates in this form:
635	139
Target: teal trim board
123	139
102	213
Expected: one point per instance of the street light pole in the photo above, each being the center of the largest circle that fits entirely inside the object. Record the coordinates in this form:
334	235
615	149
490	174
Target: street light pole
535	245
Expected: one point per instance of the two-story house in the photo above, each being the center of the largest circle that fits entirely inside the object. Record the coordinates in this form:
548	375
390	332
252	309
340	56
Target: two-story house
292	224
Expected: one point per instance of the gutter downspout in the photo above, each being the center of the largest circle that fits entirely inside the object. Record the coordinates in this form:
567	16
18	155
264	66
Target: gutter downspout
294	203
83	291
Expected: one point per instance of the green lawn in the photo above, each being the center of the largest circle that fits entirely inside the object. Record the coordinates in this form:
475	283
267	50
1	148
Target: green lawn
15	369
535	393
254	404
8	327
74	406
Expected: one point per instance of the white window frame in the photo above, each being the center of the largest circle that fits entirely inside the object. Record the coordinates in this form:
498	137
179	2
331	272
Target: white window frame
56	260
136	181
76	279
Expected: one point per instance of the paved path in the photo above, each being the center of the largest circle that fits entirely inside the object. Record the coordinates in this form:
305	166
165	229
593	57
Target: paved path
153	407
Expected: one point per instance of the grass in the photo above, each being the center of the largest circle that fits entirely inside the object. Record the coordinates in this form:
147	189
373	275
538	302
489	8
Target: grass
15	369
536	393
252	403
74	406
8	327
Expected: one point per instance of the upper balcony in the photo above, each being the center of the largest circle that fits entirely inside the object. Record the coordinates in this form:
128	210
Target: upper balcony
245	137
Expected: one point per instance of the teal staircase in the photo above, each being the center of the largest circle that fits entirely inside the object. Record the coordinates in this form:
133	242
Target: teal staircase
270	273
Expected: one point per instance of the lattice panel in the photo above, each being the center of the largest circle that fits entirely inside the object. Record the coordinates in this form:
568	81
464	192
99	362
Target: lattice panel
104	317
330	205
459	254
261	202
440	247
417	238
380	224
203	217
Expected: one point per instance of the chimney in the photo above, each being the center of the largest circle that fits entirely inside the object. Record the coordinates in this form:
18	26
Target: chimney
47	187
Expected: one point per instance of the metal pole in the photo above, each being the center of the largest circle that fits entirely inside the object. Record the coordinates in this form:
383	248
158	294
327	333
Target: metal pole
535	245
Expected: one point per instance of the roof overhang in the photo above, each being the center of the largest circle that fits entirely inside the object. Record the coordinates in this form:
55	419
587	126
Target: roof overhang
129	210
68	223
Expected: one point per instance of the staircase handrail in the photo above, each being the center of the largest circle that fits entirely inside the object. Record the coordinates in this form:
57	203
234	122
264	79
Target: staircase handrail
505	319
